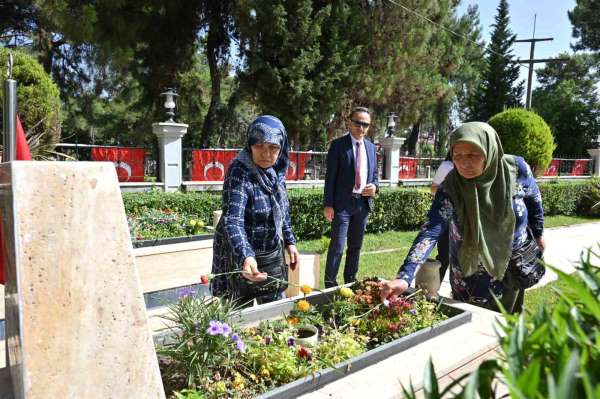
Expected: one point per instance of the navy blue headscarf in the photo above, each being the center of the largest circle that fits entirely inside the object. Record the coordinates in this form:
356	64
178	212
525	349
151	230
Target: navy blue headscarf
267	129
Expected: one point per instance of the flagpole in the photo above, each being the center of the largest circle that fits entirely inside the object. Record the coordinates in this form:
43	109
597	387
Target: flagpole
10	114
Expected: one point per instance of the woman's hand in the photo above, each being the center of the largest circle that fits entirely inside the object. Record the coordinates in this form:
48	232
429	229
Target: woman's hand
294	256
250	270
393	288
541	243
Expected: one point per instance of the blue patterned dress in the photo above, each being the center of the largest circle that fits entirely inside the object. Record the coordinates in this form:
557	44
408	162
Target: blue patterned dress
247	224
527	205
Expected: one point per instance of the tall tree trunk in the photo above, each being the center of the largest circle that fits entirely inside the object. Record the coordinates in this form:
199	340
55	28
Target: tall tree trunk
411	142
210	121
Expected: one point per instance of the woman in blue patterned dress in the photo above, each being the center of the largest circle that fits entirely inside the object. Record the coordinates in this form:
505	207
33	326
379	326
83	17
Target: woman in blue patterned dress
493	208
256	217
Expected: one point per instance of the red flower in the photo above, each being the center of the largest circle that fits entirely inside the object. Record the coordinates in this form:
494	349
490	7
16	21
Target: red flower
304	353
204	279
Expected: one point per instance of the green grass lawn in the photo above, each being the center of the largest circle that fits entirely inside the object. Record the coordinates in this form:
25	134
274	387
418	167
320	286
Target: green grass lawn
386	264
545	296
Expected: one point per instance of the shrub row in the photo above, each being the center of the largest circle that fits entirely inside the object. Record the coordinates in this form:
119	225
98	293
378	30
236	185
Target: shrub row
395	209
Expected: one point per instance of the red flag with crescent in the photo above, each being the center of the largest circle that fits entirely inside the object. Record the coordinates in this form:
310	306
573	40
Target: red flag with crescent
128	161
579	167
408	168
553	168
211	165
23	154
298	161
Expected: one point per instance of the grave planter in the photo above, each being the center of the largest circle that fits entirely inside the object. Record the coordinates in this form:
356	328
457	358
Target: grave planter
311	382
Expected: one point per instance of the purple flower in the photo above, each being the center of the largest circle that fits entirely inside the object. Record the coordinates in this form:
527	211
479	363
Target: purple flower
186	292
240	345
214	327
235	337
225	330
291	341
413	311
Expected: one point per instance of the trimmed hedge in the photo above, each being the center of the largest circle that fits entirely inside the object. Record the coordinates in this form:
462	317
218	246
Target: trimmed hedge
308	220
563	198
395	209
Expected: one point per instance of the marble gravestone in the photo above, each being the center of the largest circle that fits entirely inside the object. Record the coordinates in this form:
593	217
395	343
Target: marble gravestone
75	315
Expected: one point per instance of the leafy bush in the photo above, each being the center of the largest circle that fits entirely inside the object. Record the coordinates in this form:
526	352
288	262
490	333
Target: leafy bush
38	100
563	198
526	134
395	209
551	353
590	199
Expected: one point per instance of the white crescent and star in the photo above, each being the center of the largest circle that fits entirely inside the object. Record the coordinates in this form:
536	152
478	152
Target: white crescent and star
125	166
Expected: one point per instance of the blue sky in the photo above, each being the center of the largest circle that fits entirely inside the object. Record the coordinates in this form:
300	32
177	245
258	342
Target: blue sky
552	21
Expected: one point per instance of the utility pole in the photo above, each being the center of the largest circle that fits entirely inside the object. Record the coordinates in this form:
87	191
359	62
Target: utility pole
531	61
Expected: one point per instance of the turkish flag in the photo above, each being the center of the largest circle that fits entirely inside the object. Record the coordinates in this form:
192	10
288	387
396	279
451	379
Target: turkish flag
553	168
579	167
408	168
297	166
23	154
211	165
128	161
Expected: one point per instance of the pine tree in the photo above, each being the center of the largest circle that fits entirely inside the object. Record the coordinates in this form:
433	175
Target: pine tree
500	87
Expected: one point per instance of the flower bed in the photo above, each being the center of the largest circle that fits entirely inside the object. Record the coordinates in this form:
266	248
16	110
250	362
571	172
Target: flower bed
216	350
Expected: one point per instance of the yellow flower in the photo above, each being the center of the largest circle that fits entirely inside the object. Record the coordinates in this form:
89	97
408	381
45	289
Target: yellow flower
238	382
264	372
346	292
303	305
306	289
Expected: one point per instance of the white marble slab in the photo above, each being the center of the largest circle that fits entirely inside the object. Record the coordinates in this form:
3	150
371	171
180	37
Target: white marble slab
76	321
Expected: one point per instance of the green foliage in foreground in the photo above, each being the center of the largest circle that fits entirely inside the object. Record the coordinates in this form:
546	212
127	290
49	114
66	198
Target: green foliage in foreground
553	352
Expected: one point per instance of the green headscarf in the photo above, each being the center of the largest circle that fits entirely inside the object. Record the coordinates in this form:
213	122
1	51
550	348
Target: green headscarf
484	204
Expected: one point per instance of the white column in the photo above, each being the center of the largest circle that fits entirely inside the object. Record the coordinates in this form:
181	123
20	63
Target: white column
169	146
595	154
391	147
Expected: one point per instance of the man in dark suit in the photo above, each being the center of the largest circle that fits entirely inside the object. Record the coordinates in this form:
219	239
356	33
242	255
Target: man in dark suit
350	183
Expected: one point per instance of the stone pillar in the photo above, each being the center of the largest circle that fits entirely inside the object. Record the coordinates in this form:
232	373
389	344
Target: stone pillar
595	154
76	324
391	147
170	158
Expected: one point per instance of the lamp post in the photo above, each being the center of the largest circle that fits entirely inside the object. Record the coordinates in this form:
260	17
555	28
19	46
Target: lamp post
169	134
391	125
595	154
169	104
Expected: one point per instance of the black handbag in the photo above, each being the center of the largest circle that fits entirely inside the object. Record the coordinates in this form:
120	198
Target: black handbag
272	263
526	267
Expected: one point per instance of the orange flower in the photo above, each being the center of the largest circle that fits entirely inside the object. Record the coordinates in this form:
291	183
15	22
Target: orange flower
306	289
303	305
293	320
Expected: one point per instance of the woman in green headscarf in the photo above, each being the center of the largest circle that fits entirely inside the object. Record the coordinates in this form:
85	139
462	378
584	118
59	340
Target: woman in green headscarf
493	208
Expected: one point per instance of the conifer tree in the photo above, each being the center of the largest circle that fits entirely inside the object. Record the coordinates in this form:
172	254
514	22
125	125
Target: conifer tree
500	87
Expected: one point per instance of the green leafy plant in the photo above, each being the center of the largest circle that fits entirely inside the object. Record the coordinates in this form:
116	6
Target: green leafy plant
526	134
39	102
204	340
551	353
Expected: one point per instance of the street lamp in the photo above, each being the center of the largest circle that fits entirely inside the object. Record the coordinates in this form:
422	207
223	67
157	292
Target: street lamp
169	104
391	125
596	142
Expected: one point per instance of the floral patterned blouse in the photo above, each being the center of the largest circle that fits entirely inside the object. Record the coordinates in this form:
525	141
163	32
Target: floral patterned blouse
247	226
527	205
